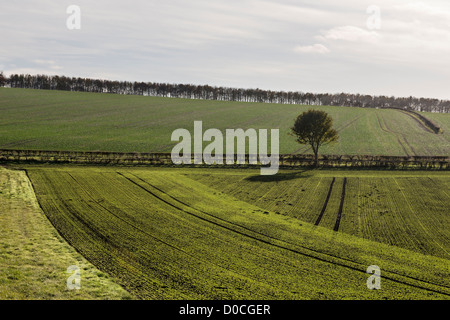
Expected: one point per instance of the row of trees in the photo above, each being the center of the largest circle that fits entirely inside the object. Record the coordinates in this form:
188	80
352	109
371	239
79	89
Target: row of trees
207	92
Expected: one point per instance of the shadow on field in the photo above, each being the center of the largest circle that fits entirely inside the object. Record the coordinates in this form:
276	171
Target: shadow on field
279	176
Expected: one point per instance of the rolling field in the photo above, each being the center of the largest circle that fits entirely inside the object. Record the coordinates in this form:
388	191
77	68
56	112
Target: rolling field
232	234
408	210
33	257
203	233
75	121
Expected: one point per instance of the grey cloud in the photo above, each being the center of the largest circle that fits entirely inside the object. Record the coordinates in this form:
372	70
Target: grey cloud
247	43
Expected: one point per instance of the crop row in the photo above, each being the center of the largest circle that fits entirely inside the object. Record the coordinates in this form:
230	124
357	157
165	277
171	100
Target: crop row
407	212
162	252
160	245
270	230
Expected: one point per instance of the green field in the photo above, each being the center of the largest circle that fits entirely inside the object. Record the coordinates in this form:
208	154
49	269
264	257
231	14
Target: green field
409	210
34	258
216	233
76	121
232	234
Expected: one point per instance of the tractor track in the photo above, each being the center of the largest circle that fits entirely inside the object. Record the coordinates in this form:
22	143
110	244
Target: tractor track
326	202
419	122
148	234
341	206
314	254
126	221
405	144
328	257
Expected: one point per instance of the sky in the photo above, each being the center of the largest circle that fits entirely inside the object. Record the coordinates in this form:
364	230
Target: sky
394	48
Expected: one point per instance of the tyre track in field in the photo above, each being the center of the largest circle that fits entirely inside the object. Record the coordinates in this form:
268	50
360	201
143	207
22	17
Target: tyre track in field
89	230
419	122
135	226
398	135
120	252
329	258
326	202
69	210
341	206
423	125
126	221
196	257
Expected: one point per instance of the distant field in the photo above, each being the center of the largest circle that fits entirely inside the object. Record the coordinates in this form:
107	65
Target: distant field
75	121
232	234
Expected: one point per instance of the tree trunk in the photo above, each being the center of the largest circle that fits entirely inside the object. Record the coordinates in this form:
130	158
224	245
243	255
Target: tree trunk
315	149
316	159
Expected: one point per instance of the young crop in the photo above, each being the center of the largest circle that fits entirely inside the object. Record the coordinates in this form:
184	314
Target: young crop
163	235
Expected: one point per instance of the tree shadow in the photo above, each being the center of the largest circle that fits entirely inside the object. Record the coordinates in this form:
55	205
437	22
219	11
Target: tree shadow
280	176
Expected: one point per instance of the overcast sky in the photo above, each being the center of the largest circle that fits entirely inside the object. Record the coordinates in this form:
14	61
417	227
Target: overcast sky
398	48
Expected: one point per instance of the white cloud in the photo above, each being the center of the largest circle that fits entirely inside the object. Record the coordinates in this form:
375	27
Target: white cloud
352	34
315	48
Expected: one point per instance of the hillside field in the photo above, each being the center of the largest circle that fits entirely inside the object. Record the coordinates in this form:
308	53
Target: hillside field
228	234
76	121
165	232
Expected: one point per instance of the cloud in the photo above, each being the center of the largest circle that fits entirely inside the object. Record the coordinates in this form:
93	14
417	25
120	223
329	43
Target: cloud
315	48
424	9
352	34
51	64
241	43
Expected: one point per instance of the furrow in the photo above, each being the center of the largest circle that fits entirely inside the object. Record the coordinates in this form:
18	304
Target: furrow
326	202
328	258
341	206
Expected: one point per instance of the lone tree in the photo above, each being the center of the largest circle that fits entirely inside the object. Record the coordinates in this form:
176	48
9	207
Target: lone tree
315	128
